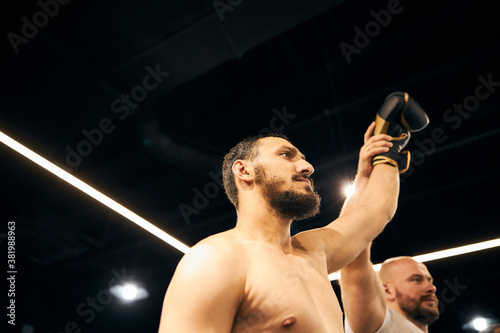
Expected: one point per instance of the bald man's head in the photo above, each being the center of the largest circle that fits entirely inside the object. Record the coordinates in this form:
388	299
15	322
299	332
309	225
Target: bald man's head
409	289
393	268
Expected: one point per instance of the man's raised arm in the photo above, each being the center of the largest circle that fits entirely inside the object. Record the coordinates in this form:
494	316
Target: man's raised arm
362	294
347	236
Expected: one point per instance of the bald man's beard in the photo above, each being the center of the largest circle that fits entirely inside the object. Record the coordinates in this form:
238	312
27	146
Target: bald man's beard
290	204
417	310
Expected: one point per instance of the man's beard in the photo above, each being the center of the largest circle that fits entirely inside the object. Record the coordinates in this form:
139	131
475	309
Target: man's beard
289	204
417	311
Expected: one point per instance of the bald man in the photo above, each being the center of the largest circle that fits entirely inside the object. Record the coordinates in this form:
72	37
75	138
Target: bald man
400	299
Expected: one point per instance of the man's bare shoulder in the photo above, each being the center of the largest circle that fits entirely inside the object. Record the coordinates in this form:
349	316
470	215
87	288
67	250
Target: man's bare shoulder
214	271
226	241
219	250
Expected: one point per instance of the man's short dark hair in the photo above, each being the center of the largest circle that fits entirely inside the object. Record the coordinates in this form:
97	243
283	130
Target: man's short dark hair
247	149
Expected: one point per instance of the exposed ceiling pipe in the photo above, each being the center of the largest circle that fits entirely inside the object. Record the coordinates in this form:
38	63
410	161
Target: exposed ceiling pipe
228	35
177	154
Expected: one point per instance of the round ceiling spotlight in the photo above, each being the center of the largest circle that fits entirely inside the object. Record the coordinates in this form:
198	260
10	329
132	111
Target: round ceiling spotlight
478	324
129	291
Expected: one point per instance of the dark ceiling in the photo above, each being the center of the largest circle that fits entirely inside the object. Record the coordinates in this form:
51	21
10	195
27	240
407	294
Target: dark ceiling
171	86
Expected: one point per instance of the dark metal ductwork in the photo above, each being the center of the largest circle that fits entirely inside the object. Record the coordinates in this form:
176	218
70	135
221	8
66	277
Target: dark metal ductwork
179	155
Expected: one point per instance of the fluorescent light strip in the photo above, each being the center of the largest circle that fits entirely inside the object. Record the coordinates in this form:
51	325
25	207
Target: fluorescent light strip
93	193
441	254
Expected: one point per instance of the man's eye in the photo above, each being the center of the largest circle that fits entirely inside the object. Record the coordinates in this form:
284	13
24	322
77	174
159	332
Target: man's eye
287	155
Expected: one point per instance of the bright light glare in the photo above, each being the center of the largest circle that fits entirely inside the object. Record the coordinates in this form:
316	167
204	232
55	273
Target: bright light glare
49	166
441	254
129	291
458	250
479	324
349	190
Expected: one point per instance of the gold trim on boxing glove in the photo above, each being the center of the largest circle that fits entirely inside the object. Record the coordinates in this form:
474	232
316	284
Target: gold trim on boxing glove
384	159
408	158
402	136
403	120
381	125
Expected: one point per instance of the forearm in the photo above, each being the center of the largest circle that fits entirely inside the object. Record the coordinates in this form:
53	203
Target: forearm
363	297
380	196
362	262
360	274
364	218
362	294
351	202
365	214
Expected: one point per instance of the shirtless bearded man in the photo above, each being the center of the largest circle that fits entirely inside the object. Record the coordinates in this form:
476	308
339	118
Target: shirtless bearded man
256	277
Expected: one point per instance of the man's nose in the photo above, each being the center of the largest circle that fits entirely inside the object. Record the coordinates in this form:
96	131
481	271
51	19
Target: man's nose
431	288
305	167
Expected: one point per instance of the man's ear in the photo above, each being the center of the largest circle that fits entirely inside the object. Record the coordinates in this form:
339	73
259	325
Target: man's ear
243	170
389	292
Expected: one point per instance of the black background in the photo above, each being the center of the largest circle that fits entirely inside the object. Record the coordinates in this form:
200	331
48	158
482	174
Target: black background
225	79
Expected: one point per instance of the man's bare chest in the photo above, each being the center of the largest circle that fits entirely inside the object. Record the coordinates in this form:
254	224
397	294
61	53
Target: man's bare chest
287	292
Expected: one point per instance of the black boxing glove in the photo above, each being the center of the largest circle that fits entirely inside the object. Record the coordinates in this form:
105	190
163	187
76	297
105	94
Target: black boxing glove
398	116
